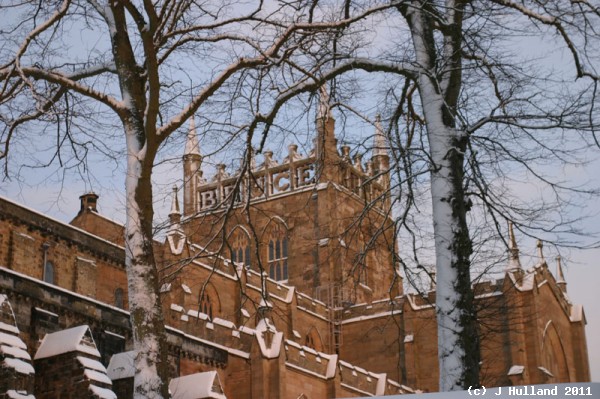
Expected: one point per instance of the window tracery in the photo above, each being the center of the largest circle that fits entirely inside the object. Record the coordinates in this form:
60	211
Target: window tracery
239	242
277	253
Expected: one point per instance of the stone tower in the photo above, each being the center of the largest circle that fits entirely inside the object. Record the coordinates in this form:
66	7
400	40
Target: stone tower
319	222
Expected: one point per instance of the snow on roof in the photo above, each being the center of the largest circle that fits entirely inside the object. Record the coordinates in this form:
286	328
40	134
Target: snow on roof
102	393
12	340
14	352
186	289
196	386
9	328
121	365
516	370
19	366
91	364
70	340
12	394
97	376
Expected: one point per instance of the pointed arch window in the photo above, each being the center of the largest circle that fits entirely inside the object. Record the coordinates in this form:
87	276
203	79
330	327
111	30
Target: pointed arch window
49	272
313	340
239	242
206	305
277	253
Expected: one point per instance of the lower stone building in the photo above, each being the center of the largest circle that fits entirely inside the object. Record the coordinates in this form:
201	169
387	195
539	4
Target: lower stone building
278	282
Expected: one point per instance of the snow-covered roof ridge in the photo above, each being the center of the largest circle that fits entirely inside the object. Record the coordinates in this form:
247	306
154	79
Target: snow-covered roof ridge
60	223
197	386
76	339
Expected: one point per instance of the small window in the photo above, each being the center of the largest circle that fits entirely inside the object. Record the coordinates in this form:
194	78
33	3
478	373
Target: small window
119	299
49	272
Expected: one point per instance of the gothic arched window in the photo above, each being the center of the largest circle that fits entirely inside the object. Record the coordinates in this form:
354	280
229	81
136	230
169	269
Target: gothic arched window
313	340
49	272
209	302
119	298
277	253
206	305
239	242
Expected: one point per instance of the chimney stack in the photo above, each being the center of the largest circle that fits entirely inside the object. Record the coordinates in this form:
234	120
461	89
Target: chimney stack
89	201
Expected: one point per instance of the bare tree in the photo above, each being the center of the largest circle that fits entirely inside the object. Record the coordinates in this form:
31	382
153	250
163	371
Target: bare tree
150	66
467	101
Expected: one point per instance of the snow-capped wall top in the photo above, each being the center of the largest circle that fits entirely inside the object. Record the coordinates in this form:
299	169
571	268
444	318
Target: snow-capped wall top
76	339
266	327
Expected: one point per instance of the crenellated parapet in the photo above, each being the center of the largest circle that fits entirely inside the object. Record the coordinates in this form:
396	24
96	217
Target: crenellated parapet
326	163
292	174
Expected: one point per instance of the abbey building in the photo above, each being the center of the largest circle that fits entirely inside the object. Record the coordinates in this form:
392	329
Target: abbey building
279	281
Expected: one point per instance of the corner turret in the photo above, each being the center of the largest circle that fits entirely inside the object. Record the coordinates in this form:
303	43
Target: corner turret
326	143
514	263
192	173
560	277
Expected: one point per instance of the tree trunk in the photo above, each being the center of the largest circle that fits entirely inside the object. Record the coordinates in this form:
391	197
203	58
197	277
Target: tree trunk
151	368
458	340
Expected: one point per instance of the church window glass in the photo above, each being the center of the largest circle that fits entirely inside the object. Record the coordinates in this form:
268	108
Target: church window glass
240	247
278	254
119	298
49	272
